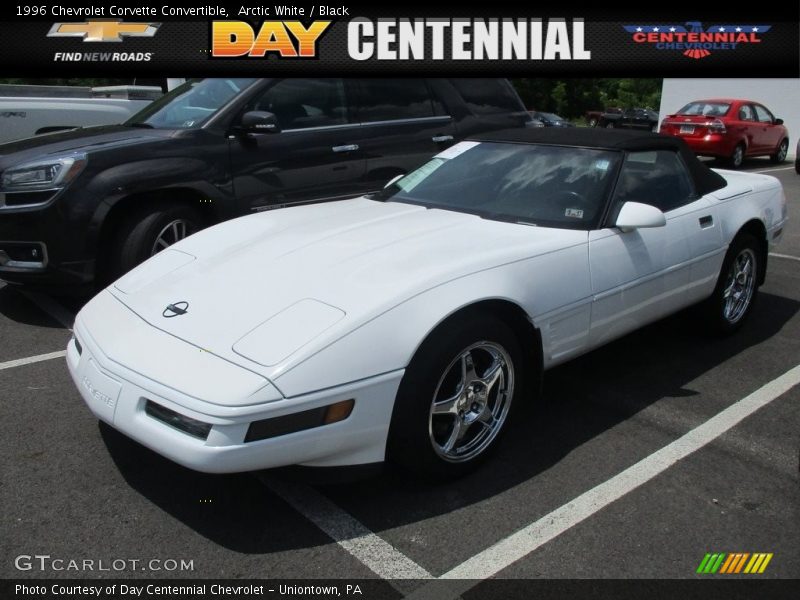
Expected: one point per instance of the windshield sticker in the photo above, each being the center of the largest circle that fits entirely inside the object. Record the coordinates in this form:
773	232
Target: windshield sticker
413	179
457	150
575	213
602	164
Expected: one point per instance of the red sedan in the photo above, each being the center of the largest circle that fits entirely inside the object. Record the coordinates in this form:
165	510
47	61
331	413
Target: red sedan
729	129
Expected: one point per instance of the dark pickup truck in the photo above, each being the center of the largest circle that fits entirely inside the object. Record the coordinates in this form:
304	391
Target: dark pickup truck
82	207
628	118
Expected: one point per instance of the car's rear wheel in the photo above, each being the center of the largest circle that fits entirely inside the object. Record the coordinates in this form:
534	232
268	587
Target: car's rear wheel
149	230
737	158
455	397
797	165
780	155
610	125
737	286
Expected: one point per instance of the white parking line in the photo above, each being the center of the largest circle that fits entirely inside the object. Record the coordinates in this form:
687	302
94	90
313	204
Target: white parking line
51	307
774	169
32	359
375	553
784	256
518	545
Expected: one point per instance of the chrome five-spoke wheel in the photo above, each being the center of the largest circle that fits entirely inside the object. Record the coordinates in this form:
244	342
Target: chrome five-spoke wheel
739	286
471	402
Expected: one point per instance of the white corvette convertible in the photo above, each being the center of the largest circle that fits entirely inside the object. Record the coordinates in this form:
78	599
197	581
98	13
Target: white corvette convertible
405	325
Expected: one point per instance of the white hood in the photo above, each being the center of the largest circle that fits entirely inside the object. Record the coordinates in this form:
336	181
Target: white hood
334	267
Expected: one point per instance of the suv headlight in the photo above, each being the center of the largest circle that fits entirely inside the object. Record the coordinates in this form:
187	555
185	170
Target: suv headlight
43	174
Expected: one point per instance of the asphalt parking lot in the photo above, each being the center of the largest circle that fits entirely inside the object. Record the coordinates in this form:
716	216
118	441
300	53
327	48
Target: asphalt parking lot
642	457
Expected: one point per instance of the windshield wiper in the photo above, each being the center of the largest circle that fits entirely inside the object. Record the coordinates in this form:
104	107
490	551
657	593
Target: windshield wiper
140	125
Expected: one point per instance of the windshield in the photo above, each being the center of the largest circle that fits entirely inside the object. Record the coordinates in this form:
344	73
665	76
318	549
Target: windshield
550	186
705	109
191	104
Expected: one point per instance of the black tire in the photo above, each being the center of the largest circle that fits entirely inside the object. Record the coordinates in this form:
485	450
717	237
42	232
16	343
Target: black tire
719	314
797	165
136	240
780	155
611	125
417	437
737	158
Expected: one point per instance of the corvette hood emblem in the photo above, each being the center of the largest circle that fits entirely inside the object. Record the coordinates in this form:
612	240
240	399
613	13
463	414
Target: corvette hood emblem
175	310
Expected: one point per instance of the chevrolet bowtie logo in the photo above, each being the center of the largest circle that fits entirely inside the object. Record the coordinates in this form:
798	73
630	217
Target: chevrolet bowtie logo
103	31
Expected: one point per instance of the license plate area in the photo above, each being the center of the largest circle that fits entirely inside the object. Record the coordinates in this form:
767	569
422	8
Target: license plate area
687	129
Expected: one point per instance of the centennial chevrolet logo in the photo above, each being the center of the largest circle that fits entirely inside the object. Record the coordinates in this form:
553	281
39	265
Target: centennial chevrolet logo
103	30
175	310
693	40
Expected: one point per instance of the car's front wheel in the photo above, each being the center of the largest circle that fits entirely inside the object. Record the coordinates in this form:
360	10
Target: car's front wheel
737	286
781	153
455	397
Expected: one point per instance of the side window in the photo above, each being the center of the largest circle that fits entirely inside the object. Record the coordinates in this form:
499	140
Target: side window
393	99
657	178
746	113
304	103
488	96
764	116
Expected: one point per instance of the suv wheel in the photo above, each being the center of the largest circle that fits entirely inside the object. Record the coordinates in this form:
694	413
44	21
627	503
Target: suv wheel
148	231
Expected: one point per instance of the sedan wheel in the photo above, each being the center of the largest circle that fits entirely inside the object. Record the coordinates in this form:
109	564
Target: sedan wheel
172	233
456	395
737	286
737	158
780	155
471	402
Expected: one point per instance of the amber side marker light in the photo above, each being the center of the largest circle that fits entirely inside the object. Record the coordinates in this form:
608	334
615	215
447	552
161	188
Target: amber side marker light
300	421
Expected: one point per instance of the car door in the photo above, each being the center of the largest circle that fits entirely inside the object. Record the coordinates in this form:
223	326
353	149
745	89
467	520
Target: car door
769	134
403	126
743	123
315	155
641	275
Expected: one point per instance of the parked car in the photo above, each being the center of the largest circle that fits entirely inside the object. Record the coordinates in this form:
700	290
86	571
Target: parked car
729	129
593	116
27	110
90	204
550	119
407	324
797	158
630	118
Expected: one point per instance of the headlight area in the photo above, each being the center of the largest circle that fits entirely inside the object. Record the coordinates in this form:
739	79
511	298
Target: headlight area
257	430
37	182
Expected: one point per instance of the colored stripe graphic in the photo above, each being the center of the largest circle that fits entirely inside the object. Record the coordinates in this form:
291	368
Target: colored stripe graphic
734	563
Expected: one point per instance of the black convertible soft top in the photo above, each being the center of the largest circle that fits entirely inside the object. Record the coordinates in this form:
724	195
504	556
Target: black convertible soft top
705	180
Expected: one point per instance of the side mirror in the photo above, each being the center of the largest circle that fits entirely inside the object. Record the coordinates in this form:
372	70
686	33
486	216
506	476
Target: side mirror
778	121
259	121
393	179
635	215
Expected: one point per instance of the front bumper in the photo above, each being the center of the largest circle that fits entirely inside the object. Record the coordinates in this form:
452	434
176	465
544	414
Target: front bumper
118	393
62	235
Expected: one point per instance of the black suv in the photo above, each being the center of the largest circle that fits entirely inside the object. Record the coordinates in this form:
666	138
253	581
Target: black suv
87	205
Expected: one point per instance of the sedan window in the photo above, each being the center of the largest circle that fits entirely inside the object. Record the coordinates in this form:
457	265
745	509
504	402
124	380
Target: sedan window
764	116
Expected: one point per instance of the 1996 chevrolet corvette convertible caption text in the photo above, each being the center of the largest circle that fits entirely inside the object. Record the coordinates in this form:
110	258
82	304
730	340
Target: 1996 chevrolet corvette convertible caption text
405	325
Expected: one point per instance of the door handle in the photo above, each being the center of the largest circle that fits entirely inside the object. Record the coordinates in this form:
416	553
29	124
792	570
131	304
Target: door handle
442	138
345	148
706	222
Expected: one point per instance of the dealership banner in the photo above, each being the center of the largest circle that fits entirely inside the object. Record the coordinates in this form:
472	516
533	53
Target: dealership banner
299	38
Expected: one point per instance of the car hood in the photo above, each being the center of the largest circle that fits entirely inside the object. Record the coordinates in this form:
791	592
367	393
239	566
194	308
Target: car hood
269	290
88	140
